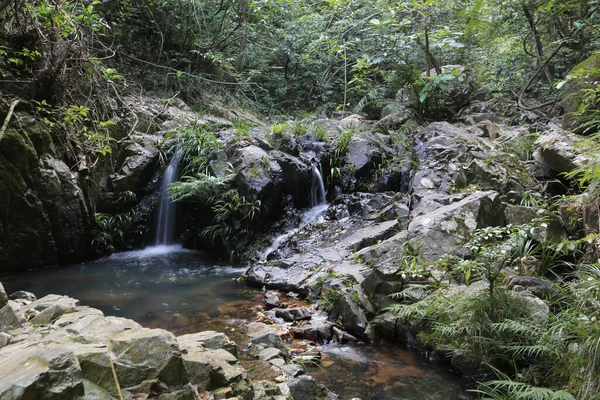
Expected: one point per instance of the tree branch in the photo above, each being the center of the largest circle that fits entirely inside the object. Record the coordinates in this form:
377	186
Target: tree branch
8	117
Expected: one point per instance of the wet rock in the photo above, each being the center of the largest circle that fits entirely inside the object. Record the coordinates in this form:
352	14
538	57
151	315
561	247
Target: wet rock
316	330
294	314
538	286
259	176
11	316
296	178
272	299
339	336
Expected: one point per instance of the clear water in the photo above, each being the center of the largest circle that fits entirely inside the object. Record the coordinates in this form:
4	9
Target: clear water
184	291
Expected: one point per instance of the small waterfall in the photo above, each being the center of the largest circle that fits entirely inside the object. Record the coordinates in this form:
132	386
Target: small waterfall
319	204
317	192
165	231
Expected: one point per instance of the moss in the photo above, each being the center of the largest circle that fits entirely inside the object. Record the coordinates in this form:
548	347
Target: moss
18	150
39	135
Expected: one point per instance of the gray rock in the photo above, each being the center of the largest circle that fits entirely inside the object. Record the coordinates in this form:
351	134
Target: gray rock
269	354
147	354
11	316
305	388
22	295
560	150
3	296
294	314
137	169
261	334
352	315
272	299
370	235
44	372
4	339
315	330
447	228
210	340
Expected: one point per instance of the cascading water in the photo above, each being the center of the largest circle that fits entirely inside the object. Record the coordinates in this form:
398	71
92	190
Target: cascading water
165	230
318	202
317	192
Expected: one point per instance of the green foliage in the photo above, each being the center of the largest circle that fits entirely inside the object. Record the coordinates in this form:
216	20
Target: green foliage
195	145
233	214
202	188
319	132
112	231
588	174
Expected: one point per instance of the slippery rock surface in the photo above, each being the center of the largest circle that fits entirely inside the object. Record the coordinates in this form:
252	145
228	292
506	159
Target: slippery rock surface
52	348
359	251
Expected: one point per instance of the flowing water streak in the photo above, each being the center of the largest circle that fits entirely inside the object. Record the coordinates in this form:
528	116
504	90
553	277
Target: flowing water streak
165	231
317	193
319	204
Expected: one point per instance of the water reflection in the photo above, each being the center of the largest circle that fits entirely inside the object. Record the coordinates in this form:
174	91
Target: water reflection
185	291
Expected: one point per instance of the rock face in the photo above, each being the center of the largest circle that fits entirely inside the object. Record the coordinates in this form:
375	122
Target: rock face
44	218
52	348
48	199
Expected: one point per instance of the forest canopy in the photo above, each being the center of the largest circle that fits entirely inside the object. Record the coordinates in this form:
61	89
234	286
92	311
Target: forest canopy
289	54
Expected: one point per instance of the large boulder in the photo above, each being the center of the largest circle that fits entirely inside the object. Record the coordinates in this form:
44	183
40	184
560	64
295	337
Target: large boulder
561	151
259	177
45	372
447	228
137	169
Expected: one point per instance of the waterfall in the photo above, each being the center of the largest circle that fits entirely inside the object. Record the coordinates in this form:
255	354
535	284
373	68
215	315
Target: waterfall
317	193
165	231
319	204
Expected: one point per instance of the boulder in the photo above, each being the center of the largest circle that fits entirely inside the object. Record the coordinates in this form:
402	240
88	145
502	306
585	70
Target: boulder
294	314
259	177
147	354
561	151
261	334
3	296
210	340
447	228
11	316
315	330
51	372
138	167
351	314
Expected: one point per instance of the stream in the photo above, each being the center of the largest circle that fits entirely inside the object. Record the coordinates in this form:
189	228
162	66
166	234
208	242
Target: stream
185	291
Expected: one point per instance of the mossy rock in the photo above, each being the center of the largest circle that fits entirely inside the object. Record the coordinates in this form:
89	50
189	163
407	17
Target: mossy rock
585	75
